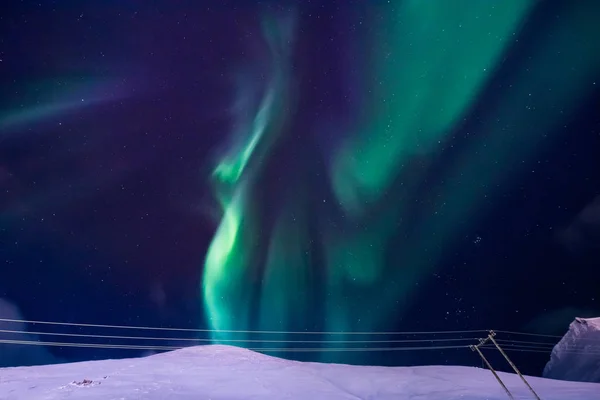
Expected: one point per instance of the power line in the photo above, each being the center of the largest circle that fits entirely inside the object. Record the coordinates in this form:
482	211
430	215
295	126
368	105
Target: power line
528	334
566	347
237	331
524	342
200	340
546	336
230	340
258	349
87	345
280	349
508	342
545	349
508	348
204	340
536	345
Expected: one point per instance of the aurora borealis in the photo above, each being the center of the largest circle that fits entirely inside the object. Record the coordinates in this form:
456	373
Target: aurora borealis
321	167
429	63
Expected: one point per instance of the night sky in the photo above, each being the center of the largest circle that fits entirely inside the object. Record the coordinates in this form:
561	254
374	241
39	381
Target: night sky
298	166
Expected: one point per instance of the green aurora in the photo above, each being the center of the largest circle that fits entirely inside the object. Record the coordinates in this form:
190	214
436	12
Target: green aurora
430	62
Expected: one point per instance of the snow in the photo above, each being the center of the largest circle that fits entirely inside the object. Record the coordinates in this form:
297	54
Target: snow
577	356
228	373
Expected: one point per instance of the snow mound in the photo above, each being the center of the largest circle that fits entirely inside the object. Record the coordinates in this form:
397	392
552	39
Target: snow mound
577	356
230	373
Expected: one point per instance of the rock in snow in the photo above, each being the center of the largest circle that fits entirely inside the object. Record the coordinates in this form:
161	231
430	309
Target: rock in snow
229	373
577	356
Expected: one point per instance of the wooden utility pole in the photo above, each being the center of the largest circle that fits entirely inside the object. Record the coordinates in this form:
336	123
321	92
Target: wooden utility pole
514	367
478	350
490	338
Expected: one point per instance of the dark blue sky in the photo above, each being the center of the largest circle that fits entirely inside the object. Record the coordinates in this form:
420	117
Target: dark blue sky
106	212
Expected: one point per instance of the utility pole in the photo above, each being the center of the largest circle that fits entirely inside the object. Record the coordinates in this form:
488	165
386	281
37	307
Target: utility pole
477	349
514	367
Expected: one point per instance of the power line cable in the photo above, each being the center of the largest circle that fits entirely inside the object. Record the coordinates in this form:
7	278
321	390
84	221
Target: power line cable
230	340
236	331
201	340
546	336
527	334
258	349
167	329
524	342
278	349
525	346
507	348
565	348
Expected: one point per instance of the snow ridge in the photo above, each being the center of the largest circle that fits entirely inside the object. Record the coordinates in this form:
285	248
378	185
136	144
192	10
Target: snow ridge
229	373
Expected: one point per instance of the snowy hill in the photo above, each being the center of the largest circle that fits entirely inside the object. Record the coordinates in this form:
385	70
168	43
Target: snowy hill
230	373
577	356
